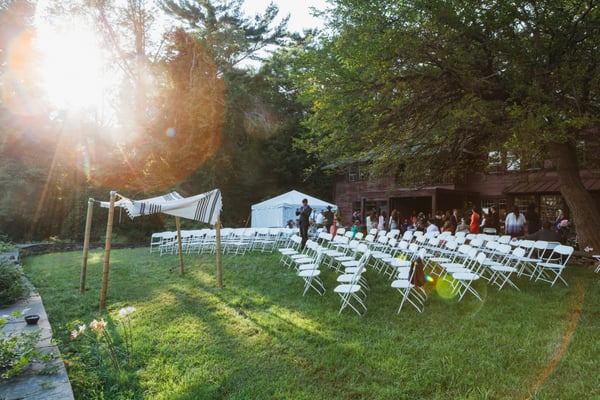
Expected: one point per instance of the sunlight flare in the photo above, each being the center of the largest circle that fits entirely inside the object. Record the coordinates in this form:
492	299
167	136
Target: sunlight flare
72	73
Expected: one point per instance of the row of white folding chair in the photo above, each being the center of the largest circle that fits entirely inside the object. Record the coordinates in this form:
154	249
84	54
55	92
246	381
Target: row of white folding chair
308	269
352	287
454	259
404	282
504	261
348	258
305	262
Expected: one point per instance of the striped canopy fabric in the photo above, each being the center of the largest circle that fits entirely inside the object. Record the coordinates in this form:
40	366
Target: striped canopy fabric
205	207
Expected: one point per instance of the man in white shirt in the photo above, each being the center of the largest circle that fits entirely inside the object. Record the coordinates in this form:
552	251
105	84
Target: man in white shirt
319	219
431	227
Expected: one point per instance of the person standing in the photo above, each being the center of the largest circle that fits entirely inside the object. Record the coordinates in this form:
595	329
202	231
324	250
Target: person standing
534	223
514	222
304	213
454	219
328	220
475	220
493	219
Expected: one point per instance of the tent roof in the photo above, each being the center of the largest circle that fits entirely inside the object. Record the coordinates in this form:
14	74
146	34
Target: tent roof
293	198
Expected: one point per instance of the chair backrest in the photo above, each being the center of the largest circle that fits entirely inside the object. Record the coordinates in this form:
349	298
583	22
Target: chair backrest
505	239
518	252
394	233
408	235
362	248
539	249
476	242
491	246
359	235
460	239
341	239
451	245
382	239
421	240
561	254
324	237
369	238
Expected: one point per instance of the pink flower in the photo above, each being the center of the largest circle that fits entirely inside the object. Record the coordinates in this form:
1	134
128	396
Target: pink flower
79	331
98	326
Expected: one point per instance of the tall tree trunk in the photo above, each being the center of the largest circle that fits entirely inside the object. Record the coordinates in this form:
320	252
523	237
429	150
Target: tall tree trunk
583	210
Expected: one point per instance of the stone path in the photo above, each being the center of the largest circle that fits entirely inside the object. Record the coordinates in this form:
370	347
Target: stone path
32	385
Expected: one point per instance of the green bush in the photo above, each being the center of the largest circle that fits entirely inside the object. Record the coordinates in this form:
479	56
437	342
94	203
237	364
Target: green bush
6	245
12	284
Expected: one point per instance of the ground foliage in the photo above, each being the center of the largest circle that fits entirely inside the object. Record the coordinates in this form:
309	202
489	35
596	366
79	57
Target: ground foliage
259	338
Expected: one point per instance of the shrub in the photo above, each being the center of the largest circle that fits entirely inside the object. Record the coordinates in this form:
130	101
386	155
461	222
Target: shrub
17	350
12	284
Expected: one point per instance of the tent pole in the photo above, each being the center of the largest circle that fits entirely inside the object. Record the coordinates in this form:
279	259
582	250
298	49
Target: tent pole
179	245
109	225
86	244
218	250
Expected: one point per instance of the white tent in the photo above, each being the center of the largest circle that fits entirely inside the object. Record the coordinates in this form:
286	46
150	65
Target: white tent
276	212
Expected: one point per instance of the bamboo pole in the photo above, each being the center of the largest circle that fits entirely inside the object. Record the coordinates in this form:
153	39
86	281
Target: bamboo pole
218	249
179	245
109	225
86	245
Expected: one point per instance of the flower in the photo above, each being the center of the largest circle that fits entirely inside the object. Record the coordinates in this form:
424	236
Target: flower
126	311
79	331
98	326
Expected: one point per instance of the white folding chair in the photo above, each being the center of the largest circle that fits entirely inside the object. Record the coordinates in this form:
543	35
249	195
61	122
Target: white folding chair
597	257
463	281
310	273
155	241
350	293
404	284
551	271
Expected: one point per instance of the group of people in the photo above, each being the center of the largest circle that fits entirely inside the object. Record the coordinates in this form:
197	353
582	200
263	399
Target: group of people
516	224
310	219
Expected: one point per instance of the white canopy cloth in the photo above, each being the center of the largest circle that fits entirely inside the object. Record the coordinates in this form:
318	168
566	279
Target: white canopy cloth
275	212
204	207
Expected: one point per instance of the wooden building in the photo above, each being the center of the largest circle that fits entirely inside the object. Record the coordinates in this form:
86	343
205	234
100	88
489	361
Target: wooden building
500	185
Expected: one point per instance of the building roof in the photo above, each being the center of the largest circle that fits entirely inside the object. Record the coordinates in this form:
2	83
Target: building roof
549	186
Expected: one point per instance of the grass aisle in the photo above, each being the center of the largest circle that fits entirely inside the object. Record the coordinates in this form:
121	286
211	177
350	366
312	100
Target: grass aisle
259	338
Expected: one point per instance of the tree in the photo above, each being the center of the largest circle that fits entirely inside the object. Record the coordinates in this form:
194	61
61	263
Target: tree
227	35
433	86
255	149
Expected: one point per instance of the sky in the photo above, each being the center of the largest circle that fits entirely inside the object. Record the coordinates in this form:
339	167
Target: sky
299	11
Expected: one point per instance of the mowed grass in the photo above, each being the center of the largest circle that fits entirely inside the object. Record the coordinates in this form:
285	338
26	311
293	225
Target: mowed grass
259	338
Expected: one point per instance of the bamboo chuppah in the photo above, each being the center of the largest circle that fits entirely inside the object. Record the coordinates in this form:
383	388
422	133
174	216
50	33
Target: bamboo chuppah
205	207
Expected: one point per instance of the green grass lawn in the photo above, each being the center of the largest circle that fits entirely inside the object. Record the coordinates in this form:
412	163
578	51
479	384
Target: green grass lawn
259	338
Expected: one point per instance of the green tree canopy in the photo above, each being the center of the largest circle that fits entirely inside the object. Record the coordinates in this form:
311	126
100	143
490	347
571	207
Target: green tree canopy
433	86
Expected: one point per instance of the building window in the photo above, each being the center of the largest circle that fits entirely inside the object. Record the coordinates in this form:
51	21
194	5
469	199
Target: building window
352	175
548	206
363	173
494	162
499	203
513	162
